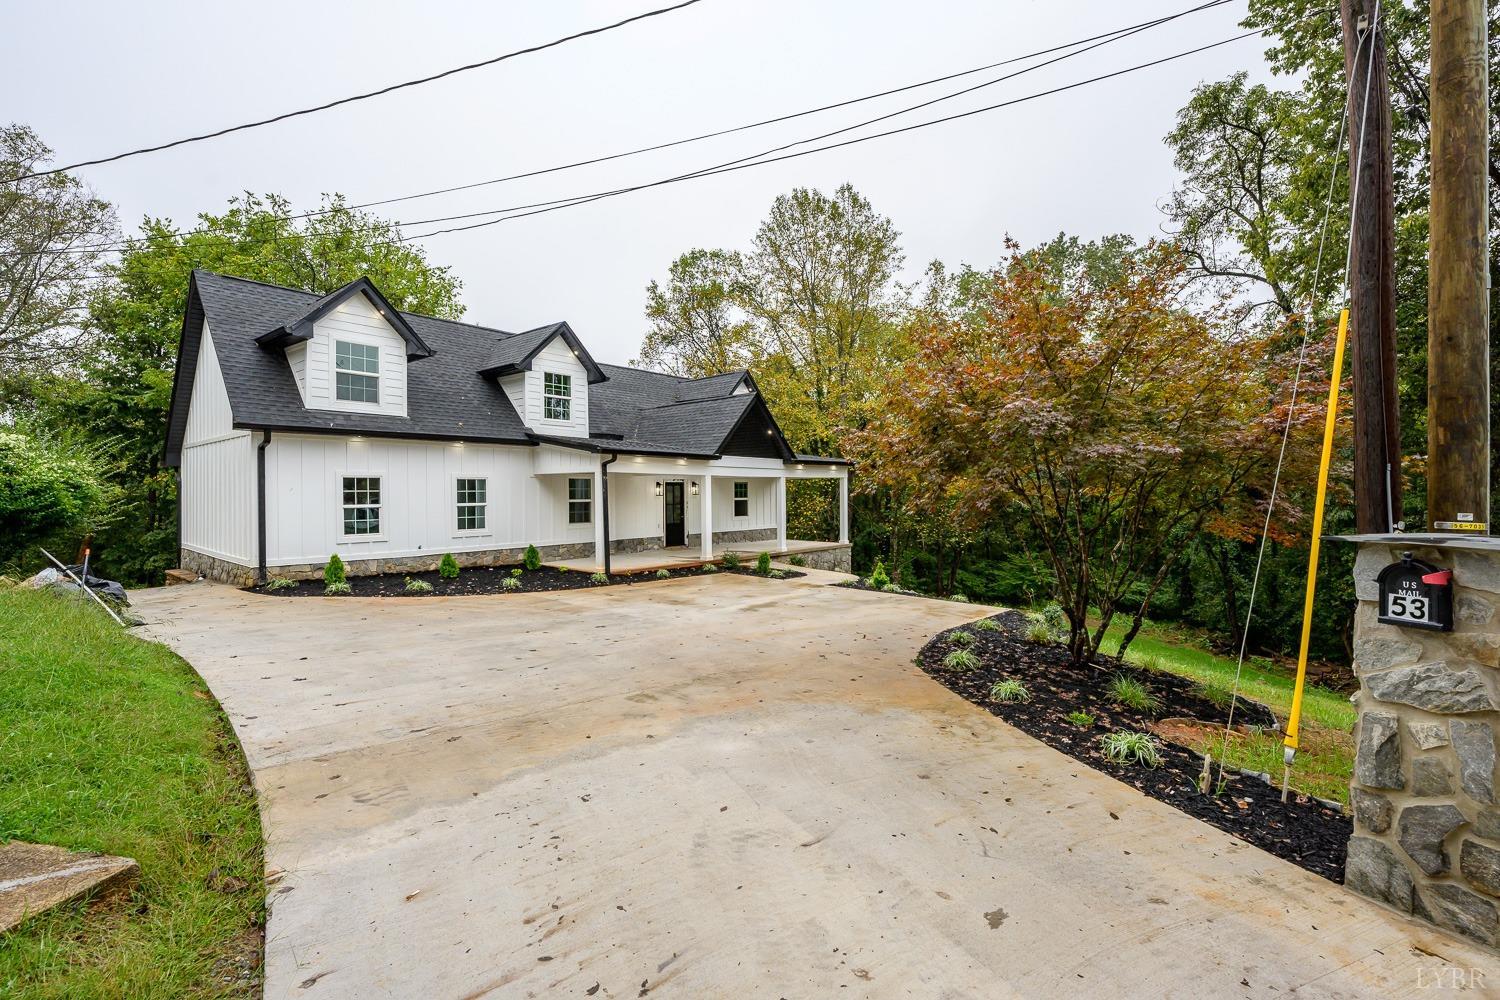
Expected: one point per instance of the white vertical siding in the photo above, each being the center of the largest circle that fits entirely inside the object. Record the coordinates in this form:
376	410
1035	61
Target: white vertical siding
296	356
558	359
515	391
357	321
305	509
217	476
762	504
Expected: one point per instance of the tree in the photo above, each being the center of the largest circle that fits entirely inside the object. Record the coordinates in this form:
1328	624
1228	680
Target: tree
122	389
48	485
1089	402
698	327
47	269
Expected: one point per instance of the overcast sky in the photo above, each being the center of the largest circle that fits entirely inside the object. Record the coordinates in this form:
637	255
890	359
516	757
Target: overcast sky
96	78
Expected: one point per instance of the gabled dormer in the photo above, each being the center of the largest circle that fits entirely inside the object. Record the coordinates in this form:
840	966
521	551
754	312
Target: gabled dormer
546	373
349	351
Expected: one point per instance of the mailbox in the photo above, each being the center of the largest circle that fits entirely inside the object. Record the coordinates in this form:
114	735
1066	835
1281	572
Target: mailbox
1416	595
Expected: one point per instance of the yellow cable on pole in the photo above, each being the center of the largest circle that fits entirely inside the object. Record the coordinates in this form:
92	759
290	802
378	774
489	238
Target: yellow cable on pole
1329	422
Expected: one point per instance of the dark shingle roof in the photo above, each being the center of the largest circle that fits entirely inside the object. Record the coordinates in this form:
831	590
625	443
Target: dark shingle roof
630	410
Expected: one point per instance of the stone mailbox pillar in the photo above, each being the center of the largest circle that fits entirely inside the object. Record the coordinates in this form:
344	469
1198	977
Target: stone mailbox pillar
1426	815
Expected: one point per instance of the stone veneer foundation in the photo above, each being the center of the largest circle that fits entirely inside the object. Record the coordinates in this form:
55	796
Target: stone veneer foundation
1426	819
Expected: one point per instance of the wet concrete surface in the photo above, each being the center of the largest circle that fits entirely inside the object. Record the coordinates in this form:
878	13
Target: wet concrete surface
724	787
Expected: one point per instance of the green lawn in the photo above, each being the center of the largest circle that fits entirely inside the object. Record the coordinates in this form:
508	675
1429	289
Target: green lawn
110	743
1326	758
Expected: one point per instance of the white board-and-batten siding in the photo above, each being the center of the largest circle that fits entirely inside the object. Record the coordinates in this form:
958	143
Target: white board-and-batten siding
217	478
525	391
356	321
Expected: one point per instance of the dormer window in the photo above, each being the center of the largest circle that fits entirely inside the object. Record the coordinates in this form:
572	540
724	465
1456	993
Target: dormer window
557	396
356	370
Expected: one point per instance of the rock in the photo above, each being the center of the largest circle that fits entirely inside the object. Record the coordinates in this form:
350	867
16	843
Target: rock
1442	686
1373	869
1458	909
1428	735
1480	866
1476	570
1430	777
1368	562
1488	824
1379	651
1482	647
1471	609
1377	760
1372	812
1474	742
1422	830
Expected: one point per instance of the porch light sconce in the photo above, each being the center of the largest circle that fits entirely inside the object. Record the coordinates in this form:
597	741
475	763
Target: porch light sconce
658	487
695	487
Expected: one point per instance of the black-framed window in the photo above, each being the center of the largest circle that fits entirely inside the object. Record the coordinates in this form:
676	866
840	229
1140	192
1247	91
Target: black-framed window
580	501
741	499
356	372
361	505
557	396
472	497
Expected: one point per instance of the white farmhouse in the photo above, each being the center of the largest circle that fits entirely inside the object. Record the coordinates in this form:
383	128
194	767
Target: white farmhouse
305	425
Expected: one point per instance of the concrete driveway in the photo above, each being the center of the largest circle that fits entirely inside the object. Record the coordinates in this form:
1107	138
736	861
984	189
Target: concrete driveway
724	787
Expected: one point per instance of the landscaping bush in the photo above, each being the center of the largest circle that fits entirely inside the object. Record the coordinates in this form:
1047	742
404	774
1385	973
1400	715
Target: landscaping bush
1057	621
731	560
510	583
1037	631
280	583
986	625
1083	720
417	586
879	578
532	560
598	578
777	574
962	638
1131	693
448	567
517	571
1009	691
960	659
337	589
796	560
663	574
1128	747
763	563
708	568
333	572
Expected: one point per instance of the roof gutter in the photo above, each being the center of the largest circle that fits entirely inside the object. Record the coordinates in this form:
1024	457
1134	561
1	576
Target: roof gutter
604	500
260	506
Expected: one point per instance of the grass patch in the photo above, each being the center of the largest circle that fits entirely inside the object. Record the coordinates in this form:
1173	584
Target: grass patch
114	744
1325	761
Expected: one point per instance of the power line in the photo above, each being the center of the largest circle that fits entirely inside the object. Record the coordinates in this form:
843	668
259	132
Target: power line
1108	36
356	97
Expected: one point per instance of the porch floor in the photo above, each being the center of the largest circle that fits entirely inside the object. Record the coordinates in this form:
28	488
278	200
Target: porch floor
680	556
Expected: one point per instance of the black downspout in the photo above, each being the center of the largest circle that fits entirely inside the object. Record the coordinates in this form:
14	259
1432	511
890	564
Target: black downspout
260	504
604	499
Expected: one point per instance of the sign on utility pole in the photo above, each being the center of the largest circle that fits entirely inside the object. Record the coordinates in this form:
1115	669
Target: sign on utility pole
1372	274
1458	319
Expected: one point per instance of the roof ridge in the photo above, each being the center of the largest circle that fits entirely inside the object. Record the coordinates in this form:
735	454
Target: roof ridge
709	399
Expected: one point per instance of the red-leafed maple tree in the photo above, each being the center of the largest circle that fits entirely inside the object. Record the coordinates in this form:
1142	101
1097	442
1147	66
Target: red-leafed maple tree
1107	411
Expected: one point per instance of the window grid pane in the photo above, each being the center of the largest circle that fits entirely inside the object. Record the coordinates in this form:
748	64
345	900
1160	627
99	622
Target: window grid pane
557	396
471	504
356	372
361	496
580	497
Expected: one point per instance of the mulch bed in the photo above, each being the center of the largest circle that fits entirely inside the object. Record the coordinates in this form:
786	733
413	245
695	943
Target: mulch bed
481	580
1303	831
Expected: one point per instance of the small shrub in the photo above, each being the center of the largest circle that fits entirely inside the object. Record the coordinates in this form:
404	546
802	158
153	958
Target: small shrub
891	588
763	563
1130	693
335	589
1128	747
959	598
797	560
532	559
1083	720
333	572
1057	622
517	571
598	578
731	560
1037	631
1009	691
960	659
663	574
417	586
280	583
563	569
448	567
777	574
986	625
962	638
510	583
708	568
879	578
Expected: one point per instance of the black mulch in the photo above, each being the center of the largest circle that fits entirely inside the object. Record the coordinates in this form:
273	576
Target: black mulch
1302	831
478	580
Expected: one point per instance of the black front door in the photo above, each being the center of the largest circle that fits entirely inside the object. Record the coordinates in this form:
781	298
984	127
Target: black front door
676	515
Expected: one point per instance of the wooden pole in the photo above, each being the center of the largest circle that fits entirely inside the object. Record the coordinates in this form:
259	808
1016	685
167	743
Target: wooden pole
1372	275
1458	350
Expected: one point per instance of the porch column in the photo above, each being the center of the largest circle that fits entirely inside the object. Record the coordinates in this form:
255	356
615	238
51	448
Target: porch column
706	516
596	510
781	513
844	506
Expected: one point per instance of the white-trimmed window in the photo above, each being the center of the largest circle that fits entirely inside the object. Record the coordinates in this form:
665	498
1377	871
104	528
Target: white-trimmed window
472	498
356	372
557	396
741	499
580	501
361	505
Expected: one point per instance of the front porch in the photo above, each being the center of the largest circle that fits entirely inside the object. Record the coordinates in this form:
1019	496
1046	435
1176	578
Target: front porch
684	556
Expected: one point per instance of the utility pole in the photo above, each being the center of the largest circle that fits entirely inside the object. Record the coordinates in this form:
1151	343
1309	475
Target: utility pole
1458	321
1372	274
